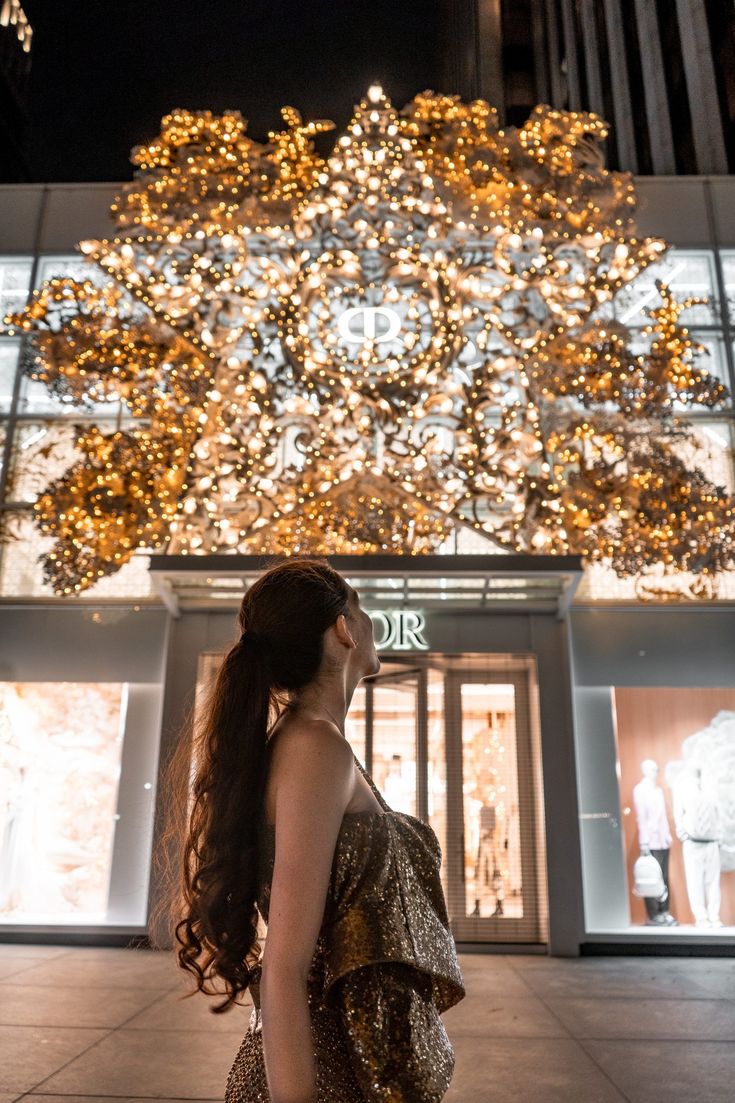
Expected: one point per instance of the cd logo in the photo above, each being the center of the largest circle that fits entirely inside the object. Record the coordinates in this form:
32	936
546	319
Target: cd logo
369	323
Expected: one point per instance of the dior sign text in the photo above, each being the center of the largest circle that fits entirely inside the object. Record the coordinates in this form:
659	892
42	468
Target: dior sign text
399	629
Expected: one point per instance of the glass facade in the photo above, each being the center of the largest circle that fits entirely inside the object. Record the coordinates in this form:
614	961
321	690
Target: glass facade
37	434
37	429
451	734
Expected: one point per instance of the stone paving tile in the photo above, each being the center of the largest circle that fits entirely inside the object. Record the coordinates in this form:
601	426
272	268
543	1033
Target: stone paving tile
169	1012
532	1028
668	1072
30	1054
100	1099
503	1017
52	1005
491	979
136	970
14	966
164	1064
119	953
533	1070
31	950
645	978
693	1019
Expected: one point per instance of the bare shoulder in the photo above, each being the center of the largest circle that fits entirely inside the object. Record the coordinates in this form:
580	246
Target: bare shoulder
313	763
315	784
299	745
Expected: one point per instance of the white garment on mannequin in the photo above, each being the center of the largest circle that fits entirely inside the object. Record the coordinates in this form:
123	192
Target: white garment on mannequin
699	815
702	871
650	810
696	813
697	821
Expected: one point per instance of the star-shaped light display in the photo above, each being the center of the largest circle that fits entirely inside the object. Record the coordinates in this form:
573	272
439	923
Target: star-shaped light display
362	353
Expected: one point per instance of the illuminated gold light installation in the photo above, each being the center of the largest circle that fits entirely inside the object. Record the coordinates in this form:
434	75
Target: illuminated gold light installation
12	15
363	353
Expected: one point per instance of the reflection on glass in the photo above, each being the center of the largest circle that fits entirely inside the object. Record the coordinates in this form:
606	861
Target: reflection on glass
394	742
711	450
392	707
21	572
42	451
60	752
15	277
8	367
710	358
687	273
728	274
69	266
437	760
674	783
394	739
36	398
491	814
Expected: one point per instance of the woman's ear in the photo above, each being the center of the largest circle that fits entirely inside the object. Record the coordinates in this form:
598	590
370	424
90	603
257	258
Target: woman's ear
343	632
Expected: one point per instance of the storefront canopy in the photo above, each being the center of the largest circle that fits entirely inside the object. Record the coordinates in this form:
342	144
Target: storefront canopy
501	583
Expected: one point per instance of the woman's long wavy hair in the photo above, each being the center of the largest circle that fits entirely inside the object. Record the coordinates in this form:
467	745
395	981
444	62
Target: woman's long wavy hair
214	782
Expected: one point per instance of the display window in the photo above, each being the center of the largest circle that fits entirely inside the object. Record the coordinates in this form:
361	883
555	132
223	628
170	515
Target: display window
77	772
675	814
60	749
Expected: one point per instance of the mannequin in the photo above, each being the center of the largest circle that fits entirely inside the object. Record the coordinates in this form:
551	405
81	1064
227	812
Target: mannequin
654	837
488	878
697	821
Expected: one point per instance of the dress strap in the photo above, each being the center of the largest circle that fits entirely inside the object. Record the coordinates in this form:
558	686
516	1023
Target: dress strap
381	799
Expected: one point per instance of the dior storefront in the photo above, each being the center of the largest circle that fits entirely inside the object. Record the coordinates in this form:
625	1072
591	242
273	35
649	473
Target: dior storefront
570	735
549	745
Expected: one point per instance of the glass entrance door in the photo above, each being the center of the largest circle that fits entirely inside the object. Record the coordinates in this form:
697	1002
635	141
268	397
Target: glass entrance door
495	857
390	708
454	740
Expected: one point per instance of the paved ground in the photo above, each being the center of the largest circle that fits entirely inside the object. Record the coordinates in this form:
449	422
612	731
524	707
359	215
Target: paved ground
85	1025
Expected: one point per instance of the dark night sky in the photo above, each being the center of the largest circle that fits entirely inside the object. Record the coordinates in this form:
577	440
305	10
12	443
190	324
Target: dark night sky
105	72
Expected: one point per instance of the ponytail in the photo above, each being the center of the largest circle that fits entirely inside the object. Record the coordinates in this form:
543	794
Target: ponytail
214	783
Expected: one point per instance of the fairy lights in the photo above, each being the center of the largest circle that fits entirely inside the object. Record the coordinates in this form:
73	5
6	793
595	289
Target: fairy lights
12	15
364	352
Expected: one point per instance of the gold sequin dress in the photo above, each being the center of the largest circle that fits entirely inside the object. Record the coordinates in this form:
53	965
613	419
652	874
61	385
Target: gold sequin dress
384	968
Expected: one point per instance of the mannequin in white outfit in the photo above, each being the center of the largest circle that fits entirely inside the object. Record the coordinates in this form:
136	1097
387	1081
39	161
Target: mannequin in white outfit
697	820
654	837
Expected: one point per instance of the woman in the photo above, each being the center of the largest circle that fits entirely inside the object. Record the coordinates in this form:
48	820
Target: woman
359	961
